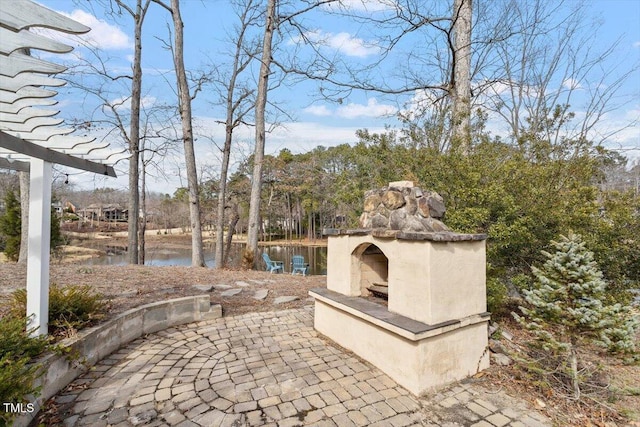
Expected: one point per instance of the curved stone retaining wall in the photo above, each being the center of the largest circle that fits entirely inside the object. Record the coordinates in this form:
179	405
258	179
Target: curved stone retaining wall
94	344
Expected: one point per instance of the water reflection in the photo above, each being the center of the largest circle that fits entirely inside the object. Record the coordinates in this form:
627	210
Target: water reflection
316	256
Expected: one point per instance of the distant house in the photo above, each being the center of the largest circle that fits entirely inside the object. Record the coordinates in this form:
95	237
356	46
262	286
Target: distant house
99	212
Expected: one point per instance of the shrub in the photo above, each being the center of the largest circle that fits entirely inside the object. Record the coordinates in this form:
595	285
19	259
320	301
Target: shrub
566	308
497	295
17	372
70	308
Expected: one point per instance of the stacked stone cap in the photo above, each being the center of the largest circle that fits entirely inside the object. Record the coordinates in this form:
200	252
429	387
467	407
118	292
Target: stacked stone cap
403	206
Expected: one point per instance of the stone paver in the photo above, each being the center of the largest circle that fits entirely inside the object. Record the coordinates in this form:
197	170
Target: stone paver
230	292
286	298
261	294
265	369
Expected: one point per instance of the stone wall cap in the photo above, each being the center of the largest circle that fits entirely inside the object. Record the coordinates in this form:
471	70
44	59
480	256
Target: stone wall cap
383	233
402	184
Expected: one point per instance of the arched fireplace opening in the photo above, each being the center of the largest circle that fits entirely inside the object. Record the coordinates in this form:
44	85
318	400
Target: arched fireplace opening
373	271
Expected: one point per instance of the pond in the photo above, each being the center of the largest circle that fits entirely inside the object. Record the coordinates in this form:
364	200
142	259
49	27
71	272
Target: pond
316	256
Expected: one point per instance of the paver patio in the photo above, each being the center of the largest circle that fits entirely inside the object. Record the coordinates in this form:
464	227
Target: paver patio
265	369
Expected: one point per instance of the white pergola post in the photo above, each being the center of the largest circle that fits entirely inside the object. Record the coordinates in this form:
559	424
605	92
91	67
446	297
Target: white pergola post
39	245
30	140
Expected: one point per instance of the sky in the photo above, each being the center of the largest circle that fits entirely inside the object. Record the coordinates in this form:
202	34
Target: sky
310	119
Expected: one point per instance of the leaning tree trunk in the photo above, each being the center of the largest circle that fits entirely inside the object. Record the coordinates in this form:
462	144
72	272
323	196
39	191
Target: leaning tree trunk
258	157
461	85
197	254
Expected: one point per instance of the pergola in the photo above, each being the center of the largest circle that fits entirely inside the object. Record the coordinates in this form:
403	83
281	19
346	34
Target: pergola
31	139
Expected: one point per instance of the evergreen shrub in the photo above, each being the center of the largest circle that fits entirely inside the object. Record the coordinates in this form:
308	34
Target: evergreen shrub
70	307
566	309
10	226
17	370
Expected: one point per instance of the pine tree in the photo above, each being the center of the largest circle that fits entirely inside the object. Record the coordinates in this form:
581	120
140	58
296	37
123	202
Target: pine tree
566	307
10	226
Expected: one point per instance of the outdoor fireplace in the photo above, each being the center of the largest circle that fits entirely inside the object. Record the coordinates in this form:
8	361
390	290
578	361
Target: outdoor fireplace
434	329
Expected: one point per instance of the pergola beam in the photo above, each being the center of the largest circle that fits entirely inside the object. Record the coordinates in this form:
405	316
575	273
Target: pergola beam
30	149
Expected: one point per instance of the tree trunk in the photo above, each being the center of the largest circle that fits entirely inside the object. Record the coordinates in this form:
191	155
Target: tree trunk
289	219
222	193
224	170
461	85
143	210
258	158
134	137
233	221
574	373
197	255
24	217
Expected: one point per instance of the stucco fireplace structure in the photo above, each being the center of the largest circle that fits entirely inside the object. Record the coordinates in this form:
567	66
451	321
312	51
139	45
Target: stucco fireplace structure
432	330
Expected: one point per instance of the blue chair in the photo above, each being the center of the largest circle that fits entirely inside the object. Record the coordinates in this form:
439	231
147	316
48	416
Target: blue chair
298	265
273	266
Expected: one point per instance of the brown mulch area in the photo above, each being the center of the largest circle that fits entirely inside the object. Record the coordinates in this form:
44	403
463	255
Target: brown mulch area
126	287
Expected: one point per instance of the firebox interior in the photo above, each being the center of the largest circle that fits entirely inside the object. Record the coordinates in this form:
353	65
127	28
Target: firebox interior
373	269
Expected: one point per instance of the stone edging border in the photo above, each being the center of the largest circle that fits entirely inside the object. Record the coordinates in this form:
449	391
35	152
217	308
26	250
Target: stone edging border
93	344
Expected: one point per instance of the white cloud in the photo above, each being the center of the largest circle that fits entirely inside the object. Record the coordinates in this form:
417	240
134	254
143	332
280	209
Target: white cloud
636	44
102	35
571	84
354	110
351	46
343	42
372	109
318	110
422	101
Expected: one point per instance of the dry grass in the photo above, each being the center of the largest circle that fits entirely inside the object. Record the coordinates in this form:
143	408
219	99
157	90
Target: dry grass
126	287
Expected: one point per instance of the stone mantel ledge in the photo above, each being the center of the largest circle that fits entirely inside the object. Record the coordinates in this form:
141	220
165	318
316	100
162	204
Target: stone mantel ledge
378	315
383	233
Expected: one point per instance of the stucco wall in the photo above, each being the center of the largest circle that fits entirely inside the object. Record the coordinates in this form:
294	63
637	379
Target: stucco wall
429	281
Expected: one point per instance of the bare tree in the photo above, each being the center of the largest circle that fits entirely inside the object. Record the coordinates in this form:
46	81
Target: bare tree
550	68
237	98
184	105
149	155
430	47
138	14
258	157
461	78
272	23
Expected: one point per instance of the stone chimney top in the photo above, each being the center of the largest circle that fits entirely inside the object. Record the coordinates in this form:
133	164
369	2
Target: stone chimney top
403	206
